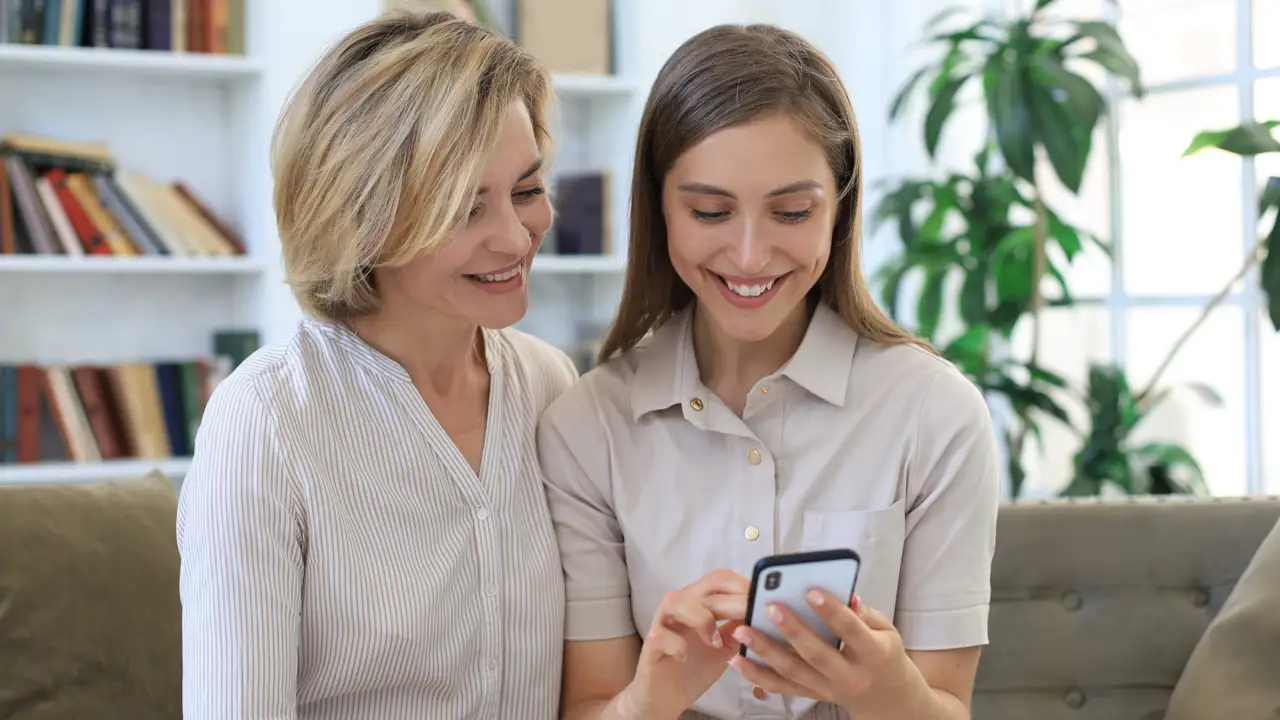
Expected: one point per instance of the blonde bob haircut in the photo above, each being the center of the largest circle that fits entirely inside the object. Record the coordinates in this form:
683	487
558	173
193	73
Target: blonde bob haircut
378	153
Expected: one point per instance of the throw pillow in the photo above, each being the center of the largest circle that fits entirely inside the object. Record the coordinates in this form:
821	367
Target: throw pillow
1234	670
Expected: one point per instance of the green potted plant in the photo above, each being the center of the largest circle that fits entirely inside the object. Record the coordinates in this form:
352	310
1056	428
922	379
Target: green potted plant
985	240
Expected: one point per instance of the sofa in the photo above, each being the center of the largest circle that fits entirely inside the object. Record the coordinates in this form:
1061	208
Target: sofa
1101	610
1098	607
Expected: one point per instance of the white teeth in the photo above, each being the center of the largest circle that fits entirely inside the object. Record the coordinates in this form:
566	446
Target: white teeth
500	277
749	290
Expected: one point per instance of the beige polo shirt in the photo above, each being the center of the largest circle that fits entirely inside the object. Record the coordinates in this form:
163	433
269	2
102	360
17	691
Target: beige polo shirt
653	482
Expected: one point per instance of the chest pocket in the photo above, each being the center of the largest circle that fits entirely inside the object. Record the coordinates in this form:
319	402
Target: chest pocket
876	535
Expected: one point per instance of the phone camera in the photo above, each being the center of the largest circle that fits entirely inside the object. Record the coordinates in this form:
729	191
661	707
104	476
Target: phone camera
772	580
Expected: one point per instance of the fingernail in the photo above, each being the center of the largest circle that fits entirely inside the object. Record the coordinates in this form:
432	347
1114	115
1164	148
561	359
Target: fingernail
742	636
855	602
815	598
774	613
716	642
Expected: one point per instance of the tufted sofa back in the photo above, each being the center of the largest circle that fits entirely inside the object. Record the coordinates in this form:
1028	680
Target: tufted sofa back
1096	605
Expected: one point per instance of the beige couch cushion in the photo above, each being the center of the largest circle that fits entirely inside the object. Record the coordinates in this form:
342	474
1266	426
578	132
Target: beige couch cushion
1098	604
1234	671
90	621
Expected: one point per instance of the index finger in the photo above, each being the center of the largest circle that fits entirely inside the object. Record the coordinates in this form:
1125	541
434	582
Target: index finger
721	581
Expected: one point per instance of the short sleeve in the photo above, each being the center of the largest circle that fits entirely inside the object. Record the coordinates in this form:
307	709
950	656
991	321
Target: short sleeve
576	471
240	541
944	590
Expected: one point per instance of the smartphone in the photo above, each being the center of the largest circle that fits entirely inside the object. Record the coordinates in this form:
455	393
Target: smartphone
786	579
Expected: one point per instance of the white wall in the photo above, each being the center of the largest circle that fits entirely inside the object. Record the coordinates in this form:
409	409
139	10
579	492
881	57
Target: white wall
867	39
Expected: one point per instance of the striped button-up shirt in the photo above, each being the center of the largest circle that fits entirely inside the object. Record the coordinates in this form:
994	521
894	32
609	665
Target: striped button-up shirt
340	558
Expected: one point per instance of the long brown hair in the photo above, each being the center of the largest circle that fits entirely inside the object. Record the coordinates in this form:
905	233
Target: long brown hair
725	76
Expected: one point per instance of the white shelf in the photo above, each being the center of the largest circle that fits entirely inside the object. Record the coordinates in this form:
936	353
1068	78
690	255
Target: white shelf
550	264
64	472
137	62
139	265
593	85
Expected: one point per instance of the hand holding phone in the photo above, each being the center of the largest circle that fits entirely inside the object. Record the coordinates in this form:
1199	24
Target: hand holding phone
785	579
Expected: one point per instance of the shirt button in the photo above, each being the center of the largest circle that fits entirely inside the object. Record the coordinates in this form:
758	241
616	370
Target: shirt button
753	457
696	403
759	693
482	514
752	533
491	591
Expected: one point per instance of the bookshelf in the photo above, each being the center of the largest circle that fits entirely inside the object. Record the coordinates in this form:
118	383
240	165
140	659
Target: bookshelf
68	472
106	61
56	265
206	119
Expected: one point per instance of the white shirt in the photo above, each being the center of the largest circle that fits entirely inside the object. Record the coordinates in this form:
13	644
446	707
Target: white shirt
340	558
653	482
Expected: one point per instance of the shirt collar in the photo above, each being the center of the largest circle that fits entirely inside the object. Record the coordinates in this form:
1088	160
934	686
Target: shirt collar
823	362
667	370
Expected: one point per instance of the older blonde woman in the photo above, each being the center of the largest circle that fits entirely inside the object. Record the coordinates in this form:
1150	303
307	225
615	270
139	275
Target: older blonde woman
363	530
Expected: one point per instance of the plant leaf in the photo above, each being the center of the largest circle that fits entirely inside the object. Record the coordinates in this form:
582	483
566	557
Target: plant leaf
1270	271
889	278
1067	237
1042	4
1082	99
1206	392
943	15
1007	107
1057	274
1120	64
1174	456
1012	262
972	342
1061	124
941	109
1024	398
1046	376
1248	139
944	201
1270	198
1108	51
929	308
973	292
900	102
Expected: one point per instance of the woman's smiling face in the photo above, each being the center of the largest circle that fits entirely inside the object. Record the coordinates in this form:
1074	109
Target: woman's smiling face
750	212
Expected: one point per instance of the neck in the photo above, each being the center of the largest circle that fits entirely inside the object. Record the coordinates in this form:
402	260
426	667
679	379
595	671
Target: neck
437	352
732	367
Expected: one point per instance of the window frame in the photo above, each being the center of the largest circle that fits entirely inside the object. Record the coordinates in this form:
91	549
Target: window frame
1248	298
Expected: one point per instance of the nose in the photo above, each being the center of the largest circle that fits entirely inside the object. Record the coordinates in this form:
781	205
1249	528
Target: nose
511	236
750	252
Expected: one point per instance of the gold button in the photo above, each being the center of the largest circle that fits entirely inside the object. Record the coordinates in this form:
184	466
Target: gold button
759	693
765	389
752	533
696	403
753	457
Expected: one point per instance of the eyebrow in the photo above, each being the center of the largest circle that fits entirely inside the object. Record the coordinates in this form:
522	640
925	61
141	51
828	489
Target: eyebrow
704	189
535	167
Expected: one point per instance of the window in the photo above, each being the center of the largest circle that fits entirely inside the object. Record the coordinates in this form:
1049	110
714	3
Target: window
1181	229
